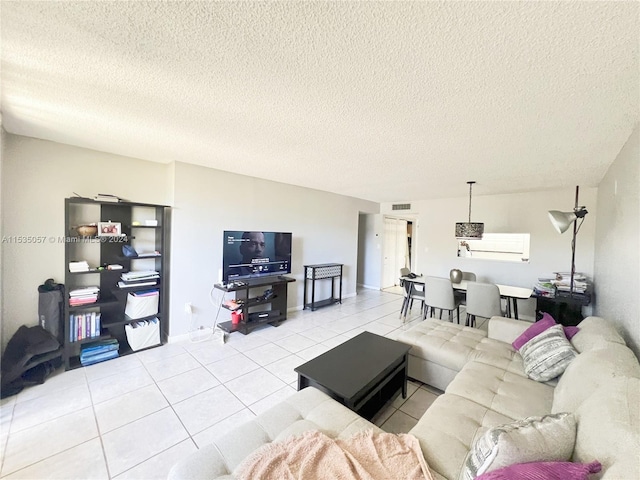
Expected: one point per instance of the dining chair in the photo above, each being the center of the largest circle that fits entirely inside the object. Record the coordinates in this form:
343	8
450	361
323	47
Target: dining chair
483	300
438	293
469	277
412	292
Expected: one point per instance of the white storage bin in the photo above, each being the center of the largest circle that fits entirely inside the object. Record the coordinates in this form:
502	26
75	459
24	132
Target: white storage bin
140	306
143	334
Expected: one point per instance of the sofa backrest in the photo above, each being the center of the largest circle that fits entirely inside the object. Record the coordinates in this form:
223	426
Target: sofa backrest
595	332
590	370
601	387
609	429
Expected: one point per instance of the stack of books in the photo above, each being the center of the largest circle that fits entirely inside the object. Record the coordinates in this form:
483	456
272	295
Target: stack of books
83	296
99	351
84	325
560	283
139	279
544	287
75	267
563	282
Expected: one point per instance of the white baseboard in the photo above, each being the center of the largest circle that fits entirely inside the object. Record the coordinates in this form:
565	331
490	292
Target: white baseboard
369	287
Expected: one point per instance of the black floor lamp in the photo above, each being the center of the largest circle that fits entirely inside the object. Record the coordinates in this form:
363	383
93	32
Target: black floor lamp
561	222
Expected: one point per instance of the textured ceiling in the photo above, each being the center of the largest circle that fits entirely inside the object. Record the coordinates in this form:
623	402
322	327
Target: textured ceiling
386	101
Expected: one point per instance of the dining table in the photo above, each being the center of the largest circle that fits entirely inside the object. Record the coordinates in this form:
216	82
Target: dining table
511	293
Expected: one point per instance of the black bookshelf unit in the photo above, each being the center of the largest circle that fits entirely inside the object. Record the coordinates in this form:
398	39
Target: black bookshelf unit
143	226
256	308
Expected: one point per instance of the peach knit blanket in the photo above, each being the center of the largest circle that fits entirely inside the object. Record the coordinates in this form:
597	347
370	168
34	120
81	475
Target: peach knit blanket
314	456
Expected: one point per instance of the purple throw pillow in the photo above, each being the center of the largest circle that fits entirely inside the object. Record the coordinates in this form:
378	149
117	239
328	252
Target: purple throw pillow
543	471
569	332
537	328
547	321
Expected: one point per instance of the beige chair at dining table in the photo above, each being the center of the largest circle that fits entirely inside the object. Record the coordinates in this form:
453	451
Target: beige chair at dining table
438	294
483	300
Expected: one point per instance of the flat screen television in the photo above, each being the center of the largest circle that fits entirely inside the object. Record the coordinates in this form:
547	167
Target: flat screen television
253	254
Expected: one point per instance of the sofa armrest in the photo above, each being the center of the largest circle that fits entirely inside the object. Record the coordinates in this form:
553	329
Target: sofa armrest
506	329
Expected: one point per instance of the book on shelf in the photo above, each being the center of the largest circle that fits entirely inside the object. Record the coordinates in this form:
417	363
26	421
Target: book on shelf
83	291
77	302
81	266
99	351
139	279
139	274
105	197
137	284
83	326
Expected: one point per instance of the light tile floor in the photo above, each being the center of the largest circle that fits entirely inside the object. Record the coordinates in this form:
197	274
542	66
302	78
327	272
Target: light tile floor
135	416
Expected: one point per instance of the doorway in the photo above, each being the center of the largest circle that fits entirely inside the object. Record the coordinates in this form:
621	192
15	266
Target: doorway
398	249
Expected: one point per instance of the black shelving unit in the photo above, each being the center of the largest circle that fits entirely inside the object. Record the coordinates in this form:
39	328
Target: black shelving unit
100	251
253	304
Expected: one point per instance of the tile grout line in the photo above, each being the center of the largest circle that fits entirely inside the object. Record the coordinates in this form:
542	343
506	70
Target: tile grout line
6	442
95	419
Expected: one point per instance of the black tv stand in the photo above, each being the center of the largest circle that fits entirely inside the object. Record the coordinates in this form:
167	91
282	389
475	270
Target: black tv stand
250	303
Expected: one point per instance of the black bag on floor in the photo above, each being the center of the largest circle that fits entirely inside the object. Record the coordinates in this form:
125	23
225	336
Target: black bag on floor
29	348
51	308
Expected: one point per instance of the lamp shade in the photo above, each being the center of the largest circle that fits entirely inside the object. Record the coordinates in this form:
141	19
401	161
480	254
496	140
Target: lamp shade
469	230
561	221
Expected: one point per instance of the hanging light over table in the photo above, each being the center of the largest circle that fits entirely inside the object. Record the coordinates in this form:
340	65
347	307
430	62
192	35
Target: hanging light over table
469	229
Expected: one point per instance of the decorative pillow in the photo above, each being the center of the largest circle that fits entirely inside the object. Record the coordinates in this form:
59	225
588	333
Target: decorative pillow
544	470
548	438
540	326
547	355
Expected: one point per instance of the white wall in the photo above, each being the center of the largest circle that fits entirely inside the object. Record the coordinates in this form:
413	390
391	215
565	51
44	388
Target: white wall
370	251
207	202
37	176
618	243
514	213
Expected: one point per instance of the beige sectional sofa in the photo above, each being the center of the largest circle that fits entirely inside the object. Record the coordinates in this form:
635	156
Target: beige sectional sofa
485	386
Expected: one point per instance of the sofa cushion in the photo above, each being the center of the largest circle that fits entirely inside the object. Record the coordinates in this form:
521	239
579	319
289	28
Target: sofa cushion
591	369
498	354
308	409
548	438
544	470
547	354
510	394
595	332
447	429
441	342
609	429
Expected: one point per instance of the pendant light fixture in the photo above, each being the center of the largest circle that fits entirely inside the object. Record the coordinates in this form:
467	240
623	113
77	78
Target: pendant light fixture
469	229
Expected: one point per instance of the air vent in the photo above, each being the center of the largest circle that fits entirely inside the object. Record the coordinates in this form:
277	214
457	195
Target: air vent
401	206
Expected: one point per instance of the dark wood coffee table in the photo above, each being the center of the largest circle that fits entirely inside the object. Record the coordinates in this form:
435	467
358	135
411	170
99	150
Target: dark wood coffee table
362	373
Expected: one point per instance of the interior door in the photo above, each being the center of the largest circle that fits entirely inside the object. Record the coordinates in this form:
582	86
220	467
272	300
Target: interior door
394	250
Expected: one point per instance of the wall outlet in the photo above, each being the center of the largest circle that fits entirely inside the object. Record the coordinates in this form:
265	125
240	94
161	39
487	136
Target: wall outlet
187	307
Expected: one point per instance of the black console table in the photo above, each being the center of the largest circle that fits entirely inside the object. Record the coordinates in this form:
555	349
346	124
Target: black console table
566	309
331	271
251	306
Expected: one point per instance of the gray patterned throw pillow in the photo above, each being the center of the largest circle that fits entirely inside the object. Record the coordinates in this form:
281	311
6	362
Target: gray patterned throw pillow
547	355
534	439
